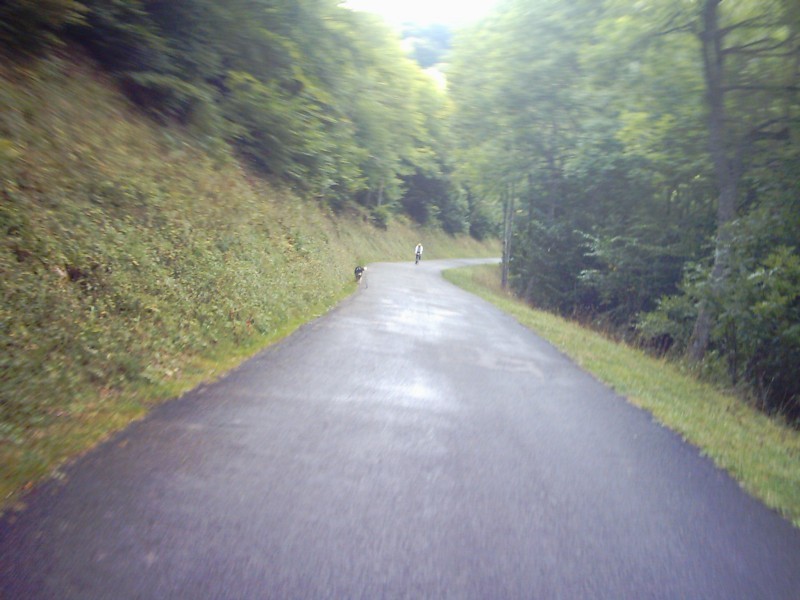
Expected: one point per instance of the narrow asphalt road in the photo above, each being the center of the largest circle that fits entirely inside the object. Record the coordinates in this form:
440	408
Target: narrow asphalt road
413	443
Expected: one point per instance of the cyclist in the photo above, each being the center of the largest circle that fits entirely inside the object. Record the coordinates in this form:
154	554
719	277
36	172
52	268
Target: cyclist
418	253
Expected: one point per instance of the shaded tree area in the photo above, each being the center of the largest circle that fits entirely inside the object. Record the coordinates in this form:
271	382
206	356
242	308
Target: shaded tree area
646	159
308	91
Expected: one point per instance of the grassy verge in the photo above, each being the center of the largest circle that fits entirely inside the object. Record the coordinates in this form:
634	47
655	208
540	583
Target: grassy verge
762	454
137	261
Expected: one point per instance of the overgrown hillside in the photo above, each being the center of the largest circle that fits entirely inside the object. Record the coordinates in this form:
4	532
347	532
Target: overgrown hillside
136	262
309	91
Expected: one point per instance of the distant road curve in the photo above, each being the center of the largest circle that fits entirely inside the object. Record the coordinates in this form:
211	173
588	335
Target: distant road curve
414	443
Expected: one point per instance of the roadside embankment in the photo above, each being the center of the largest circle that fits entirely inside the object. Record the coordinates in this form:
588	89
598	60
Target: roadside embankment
139	260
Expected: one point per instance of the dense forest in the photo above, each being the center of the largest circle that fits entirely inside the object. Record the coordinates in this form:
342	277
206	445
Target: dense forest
310	92
646	156
640	160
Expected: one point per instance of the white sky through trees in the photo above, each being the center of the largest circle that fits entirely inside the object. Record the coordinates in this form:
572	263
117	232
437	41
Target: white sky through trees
447	12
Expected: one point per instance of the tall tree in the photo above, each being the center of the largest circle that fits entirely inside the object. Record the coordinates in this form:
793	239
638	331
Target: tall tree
742	55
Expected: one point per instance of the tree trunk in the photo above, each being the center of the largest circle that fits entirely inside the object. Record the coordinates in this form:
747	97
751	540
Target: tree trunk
531	203
508	230
380	194
726	170
554	173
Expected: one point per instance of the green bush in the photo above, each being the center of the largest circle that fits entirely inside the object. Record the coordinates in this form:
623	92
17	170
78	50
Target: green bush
630	272
548	261
758	329
27	26
755	310
380	216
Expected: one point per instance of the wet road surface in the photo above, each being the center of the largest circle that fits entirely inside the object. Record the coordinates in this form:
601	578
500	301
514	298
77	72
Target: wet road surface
413	443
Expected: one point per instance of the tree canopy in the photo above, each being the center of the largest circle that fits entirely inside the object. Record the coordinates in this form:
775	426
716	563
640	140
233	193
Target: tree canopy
309	91
648	154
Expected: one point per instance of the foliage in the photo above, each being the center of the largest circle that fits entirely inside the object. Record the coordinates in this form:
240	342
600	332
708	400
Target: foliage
758	329
134	264
29	26
639	148
311	92
756	313
123	37
632	271
552	257
482	220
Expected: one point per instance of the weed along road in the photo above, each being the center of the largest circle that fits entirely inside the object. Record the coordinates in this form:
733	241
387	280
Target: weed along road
413	443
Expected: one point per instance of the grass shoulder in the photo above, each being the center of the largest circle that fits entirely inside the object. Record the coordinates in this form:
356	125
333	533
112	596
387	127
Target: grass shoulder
761	453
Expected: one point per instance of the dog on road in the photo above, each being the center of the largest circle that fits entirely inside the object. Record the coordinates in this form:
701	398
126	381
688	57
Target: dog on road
359	273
